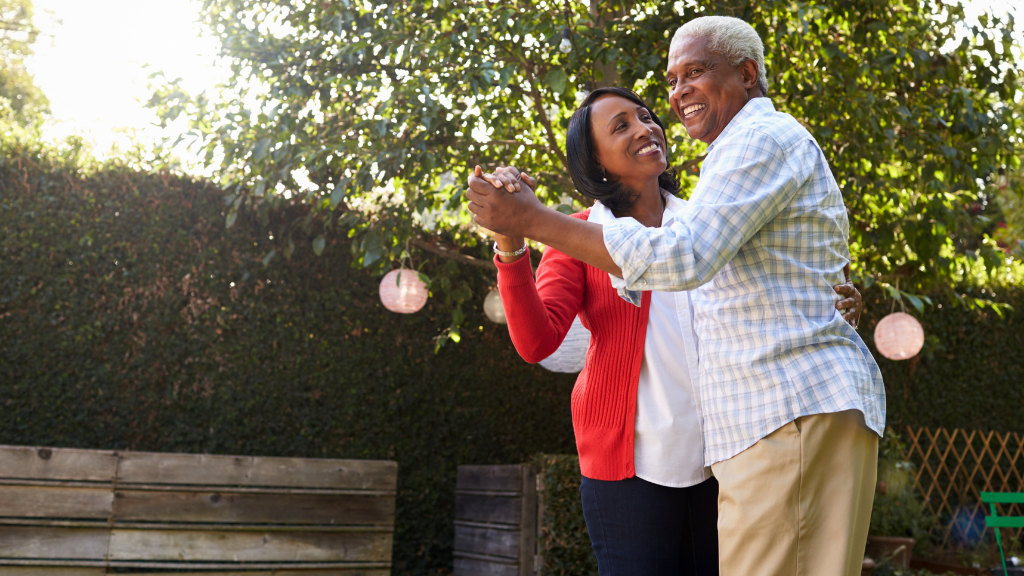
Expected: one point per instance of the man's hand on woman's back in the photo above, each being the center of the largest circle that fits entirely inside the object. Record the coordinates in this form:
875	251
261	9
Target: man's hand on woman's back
852	304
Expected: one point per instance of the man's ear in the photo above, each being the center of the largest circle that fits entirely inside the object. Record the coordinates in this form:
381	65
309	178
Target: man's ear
748	71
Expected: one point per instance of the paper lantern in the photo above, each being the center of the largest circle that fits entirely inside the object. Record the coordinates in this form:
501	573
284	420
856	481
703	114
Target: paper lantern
899	336
572	354
493	309
402	291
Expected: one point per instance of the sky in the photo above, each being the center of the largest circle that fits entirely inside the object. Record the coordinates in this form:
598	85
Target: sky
91	63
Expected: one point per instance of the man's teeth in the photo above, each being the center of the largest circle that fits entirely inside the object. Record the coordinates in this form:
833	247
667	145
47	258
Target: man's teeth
693	108
649	148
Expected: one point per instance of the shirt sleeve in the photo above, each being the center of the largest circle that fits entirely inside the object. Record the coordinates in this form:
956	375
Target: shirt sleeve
539	313
749	183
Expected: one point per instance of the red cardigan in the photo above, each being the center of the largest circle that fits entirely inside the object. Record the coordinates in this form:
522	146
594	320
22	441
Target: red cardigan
539	314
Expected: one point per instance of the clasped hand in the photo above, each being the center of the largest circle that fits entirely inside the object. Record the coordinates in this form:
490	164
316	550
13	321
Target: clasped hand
504	201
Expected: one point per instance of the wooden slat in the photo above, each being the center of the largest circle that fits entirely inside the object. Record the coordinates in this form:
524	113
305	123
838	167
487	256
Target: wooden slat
148	567
57	463
492	509
193	526
50	571
489	541
52	502
48	542
476	567
220	507
528	523
215	546
490	478
214	470
354	571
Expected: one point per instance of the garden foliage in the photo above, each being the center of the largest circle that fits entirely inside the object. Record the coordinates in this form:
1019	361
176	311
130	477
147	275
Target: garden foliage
21	101
385	108
130	318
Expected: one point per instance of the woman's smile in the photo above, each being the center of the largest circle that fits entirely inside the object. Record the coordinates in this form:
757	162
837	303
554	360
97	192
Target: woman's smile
649	149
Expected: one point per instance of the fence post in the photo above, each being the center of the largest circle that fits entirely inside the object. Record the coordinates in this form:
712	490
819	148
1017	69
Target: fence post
496	520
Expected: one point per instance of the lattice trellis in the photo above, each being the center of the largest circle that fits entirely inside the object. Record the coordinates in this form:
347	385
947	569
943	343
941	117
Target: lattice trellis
954	468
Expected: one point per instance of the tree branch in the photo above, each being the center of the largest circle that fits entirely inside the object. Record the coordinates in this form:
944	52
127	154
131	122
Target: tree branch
445	252
684	167
538	105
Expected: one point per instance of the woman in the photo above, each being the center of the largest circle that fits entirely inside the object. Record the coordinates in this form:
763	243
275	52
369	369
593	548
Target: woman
649	503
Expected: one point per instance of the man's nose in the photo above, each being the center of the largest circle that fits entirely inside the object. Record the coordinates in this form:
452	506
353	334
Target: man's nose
679	91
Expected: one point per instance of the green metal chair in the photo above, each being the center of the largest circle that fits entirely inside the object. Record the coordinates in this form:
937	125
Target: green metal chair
995	522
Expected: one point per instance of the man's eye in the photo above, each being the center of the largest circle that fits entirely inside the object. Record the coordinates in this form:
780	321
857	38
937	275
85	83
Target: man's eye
695	71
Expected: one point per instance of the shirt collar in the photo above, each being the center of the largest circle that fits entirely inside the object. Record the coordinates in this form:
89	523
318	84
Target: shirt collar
753	108
601	214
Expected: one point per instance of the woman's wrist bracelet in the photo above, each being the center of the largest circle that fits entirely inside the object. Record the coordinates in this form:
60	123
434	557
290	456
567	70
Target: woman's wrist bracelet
519	252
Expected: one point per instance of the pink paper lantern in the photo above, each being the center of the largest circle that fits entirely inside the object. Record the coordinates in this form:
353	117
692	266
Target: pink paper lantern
899	336
402	291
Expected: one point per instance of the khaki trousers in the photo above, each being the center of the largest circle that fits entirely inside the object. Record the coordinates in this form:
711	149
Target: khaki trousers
798	502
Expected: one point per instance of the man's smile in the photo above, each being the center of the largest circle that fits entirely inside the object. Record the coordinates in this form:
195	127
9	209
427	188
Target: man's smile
693	109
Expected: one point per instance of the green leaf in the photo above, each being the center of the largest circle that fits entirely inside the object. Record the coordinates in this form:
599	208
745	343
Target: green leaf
231	218
269	257
337	195
557	79
915	302
319	243
260	151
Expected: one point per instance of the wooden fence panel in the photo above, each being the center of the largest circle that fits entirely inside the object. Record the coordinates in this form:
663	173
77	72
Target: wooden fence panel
91	512
495	520
954	468
217	470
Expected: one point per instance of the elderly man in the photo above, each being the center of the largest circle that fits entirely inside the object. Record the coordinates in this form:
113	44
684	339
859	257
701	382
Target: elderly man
793	402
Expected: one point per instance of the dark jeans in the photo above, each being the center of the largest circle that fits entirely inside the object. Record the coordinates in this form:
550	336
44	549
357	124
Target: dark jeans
642	529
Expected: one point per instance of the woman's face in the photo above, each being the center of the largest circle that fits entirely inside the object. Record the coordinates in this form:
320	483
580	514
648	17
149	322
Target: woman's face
630	145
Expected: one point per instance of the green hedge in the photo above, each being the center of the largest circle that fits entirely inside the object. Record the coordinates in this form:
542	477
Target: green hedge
970	373
120	329
563	541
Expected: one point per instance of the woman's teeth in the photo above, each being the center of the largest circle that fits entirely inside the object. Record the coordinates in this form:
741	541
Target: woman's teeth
693	108
649	148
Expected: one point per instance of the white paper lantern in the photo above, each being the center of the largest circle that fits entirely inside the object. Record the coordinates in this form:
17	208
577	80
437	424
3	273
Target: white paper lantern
572	354
402	291
493	309
899	336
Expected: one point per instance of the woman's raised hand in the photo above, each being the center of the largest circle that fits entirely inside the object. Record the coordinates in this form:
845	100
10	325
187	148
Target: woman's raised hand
508	178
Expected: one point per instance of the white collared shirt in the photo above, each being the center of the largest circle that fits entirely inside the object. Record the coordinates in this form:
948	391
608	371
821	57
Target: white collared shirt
668	444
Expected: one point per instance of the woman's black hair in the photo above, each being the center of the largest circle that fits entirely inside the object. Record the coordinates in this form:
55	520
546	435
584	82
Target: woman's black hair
581	153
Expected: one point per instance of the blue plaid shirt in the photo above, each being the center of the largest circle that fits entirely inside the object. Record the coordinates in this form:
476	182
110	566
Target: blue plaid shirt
761	243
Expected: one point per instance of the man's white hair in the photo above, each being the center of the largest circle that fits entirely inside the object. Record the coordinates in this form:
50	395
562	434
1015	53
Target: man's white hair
731	38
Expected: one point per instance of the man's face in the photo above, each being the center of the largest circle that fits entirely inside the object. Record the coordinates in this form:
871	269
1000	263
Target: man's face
704	90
